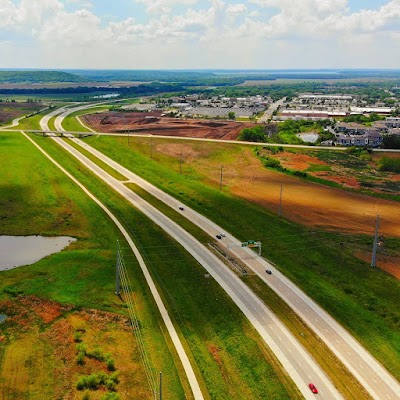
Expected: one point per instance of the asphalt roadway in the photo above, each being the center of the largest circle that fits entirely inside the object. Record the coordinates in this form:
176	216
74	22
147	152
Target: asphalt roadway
297	362
376	380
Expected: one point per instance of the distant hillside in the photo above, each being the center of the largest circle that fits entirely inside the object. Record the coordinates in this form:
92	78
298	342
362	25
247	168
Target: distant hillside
38	77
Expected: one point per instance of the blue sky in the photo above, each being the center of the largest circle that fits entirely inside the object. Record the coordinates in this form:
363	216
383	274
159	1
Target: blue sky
199	33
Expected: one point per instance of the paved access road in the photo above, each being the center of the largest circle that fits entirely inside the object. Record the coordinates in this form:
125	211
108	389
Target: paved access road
299	365
270	110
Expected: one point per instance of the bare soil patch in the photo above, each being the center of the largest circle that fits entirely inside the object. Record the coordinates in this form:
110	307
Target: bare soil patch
304	202
317	205
298	161
356	174
390	264
152	123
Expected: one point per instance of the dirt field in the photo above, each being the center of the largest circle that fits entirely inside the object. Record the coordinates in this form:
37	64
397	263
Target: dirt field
303	202
153	124
10	111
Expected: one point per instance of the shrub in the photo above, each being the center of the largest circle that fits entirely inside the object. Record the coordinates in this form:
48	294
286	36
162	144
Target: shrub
271	163
115	377
80	358
111	396
86	395
300	173
82	348
111	385
97	354
82	383
389	164
93	381
78	337
110	364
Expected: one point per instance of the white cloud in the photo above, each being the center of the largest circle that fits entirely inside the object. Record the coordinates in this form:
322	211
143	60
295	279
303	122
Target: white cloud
212	33
81	3
164	6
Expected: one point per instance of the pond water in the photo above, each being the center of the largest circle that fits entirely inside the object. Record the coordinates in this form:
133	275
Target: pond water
308	137
3	317
16	251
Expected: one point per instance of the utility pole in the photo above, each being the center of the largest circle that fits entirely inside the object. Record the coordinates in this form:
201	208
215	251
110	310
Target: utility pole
220	178
160	385
180	164
375	248
151	146
280	203
117	271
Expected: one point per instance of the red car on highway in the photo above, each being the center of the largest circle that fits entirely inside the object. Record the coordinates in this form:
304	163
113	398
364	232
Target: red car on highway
313	388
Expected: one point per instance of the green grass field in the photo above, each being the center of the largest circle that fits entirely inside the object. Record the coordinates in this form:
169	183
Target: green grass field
231	359
364	300
71	123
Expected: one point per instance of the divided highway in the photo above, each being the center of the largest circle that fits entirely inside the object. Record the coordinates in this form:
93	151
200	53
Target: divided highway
369	372
376	380
297	362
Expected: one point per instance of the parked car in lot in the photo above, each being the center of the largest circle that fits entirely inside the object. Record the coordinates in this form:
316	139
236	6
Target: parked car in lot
313	388
268	271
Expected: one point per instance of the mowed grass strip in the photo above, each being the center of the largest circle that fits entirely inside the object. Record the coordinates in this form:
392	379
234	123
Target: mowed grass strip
230	357
362	299
36	198
32	122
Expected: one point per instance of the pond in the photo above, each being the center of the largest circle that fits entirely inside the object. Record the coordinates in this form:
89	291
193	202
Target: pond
3	317
16	251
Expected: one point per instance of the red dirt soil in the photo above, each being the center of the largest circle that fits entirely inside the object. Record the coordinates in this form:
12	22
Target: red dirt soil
298	161
152	123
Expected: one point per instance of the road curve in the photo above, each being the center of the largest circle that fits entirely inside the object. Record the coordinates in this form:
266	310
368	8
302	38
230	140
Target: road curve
300	366
368	371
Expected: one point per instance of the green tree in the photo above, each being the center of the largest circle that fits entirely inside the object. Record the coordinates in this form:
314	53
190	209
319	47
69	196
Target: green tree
231	115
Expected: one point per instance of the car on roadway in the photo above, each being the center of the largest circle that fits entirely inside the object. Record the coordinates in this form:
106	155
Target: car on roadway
181	208
218	236
313	388
222	234
268	271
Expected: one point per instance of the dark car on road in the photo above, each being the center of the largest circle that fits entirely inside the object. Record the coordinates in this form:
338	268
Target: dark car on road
268	271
